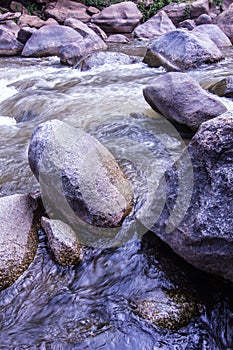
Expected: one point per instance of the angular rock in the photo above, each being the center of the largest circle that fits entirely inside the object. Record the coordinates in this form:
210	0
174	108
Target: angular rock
155	26
198	8
100	58
225	22
98	31
60	10
48	40
79	177
9	45
118	18
25	33
117	38
80	27
180	50
18	239
63	242
188	24
224	87
30	21
9	16
10	27
204	237
176	12
215	34
203	19
181	99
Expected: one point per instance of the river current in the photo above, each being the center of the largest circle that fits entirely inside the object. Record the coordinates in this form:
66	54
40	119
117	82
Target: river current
94	305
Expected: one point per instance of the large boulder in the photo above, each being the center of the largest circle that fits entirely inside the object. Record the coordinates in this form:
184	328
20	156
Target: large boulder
154	27
180	50
79	177
30	21
205	235
9	45
181	99
63	242
225	22
18	239
60	10
215	34
198	8
176	11
118	18
48	40
112	58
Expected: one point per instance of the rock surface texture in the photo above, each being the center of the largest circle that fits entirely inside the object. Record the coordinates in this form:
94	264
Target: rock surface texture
205	236
225	22
180	50
9	45
181	99
18	239
79	177
223	87
60	10
215	34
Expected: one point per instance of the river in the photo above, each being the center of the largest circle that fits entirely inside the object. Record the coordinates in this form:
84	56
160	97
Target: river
95	305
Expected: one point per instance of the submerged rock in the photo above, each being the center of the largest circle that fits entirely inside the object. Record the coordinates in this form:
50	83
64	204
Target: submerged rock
180	50
118	18
79	177
204	238
63	242
181	99
18	239
224	87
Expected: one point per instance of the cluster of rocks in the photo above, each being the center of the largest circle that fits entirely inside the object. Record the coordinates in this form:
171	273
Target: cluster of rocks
71	30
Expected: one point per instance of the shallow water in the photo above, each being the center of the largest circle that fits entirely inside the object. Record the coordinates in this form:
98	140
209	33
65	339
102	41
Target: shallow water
94	305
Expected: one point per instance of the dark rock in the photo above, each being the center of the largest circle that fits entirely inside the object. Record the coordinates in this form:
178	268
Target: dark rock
18	239
48	41
25	33
9	45
188	24
181	99
98	31
63	242
203	19
204	237
224	87
215	34
118	18
79	177
180	50
154	27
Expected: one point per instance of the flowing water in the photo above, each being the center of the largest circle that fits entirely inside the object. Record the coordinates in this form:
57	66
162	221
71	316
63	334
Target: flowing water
95	305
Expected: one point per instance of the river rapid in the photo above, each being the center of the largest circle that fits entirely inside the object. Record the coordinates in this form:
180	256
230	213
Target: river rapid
94	305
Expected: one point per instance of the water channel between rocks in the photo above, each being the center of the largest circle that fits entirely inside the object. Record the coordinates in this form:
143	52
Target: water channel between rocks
104	302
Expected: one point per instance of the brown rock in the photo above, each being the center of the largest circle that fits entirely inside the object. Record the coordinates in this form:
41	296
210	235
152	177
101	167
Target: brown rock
18	7
117	38
30	21
176	12
198	8
63	9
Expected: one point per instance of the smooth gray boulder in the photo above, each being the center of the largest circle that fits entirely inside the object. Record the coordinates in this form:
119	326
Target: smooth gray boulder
79	177
215	34
154	27
181	99
63	242
48	40
9	45
204	238
180	50
118	18
18	239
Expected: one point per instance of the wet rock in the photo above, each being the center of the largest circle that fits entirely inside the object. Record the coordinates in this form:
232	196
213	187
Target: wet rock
18	239
100	58
9	45
198	8
215	34
204	236
203	19
168	310
117	38
48	41
79	177
225	22
181	99
224	87
60	10
25	33
188	24
30	21
63	242
180	50
118	18
155	26
176	12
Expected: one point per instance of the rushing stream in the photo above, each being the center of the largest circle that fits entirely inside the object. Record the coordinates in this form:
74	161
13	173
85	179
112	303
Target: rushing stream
95	305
